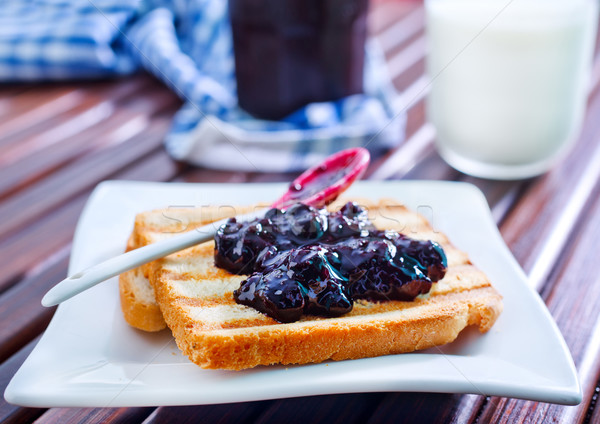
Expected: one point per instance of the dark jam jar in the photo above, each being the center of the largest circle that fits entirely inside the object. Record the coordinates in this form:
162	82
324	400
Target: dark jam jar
289	53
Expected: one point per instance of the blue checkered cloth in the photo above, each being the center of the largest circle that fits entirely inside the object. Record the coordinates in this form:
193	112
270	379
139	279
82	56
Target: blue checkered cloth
188	45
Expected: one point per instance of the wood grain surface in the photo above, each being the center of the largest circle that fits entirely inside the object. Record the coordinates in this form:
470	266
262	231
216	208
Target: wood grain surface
58	141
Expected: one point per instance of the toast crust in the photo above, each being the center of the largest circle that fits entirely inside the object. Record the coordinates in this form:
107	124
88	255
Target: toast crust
195	300
139	311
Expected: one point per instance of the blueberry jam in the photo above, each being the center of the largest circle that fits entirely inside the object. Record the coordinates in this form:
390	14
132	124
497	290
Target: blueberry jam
310	261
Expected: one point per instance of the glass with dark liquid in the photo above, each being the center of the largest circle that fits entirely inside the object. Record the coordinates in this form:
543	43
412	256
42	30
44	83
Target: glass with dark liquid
289	53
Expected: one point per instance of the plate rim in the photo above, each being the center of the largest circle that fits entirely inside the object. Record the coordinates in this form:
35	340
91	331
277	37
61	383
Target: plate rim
569	394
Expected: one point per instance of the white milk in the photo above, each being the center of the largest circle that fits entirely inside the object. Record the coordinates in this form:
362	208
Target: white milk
510	80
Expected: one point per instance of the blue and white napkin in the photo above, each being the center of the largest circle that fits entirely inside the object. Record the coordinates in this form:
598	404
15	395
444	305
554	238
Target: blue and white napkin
187	44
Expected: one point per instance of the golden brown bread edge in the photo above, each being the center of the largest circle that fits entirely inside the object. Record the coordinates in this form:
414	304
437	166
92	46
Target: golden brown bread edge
242	338
138	302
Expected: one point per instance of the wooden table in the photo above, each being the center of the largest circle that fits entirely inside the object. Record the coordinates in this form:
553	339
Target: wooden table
58	141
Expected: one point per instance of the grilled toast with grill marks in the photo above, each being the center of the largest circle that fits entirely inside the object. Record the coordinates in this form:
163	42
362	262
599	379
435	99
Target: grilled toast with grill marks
195	299
138	303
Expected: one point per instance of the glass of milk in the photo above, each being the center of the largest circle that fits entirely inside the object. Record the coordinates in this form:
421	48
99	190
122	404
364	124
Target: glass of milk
509	81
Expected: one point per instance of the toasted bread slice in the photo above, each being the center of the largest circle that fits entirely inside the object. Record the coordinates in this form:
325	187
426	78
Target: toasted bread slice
138	303
196	300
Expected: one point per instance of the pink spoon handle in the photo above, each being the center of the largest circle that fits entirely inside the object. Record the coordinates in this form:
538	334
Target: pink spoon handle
318	186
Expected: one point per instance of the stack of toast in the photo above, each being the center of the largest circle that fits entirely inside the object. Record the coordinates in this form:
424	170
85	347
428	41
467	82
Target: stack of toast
188	294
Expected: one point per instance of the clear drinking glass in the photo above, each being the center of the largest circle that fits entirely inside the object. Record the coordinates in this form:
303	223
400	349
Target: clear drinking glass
509	81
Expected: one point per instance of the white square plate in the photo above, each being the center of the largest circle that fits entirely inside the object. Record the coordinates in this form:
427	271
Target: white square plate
89	356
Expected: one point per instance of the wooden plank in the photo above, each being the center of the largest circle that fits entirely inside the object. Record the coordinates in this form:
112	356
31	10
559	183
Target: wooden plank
419	134
84	106
201	175
272	177
39	240
237	413
395	24
24	298
94	415
392	17
118	127
573	298
432	167
409	63
415	407
546	197
593	413
21	312
36	100
9	413
23	250
157	167
402	160
8	92
500	195
415	119
333	409
589	379
64	183
404	45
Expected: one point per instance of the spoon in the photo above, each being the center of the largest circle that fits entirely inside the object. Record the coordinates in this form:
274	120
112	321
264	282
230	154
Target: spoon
317	186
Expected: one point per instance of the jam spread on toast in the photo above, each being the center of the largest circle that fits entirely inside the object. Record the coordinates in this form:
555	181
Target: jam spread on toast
310	261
